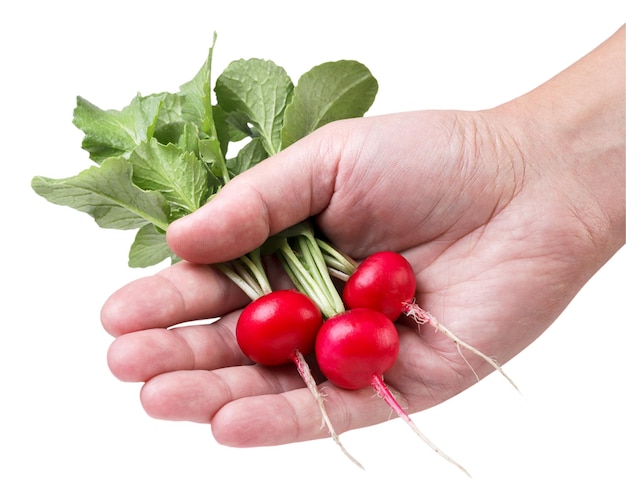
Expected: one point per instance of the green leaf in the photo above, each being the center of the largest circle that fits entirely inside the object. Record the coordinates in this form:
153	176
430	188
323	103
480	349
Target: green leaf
249	155
196	98
188	139
260	90
197	108
328	92
171	110
112	133
149	248
230	127
108	194
170	124
171	133
179	175
163	155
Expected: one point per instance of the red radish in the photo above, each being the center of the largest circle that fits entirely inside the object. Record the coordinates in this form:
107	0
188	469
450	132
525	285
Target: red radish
385	281
355	348
281	327
273	327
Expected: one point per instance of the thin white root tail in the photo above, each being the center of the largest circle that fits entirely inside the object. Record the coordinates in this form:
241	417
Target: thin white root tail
421	317
305	373
380	387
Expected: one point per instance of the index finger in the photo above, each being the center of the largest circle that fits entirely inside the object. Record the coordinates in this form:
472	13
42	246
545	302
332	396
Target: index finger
180	293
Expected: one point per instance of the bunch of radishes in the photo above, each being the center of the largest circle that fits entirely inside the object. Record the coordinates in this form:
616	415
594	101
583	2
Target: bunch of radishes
352	334
165	155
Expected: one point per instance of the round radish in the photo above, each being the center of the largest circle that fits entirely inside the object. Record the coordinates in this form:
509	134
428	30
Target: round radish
383	281
271	328
281	327
355	346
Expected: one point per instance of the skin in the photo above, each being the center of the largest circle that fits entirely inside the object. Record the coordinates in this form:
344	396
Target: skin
503	213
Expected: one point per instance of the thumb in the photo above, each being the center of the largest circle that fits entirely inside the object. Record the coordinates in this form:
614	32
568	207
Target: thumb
281	191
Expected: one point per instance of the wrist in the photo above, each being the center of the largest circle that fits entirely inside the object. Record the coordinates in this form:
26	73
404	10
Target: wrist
570	133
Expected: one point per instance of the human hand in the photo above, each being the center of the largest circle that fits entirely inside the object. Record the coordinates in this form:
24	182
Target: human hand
498	238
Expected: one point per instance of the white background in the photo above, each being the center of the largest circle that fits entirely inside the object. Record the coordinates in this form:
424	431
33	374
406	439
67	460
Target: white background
65	420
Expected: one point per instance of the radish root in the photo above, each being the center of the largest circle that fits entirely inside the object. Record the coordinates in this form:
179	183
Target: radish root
305	373
381	388
422	317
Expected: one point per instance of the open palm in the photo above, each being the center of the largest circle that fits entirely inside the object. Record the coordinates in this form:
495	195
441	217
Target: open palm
446	189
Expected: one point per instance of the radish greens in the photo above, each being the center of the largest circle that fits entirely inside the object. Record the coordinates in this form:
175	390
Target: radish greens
166	154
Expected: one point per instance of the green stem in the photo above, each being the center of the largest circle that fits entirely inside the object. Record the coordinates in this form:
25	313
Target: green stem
241	270
303	260
253	262
248	273
302	278
252	292
314	256
308	261
338	263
